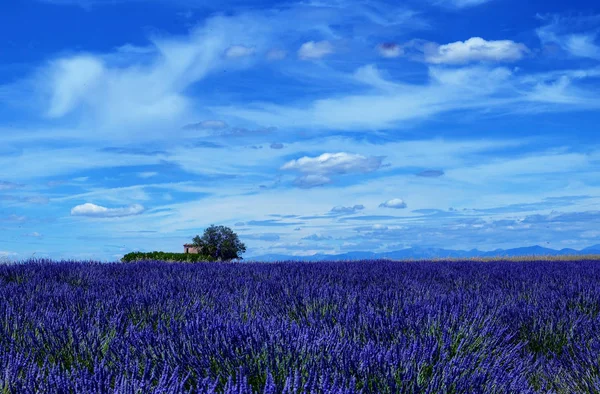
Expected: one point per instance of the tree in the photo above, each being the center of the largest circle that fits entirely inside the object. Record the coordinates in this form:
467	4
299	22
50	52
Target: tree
220	243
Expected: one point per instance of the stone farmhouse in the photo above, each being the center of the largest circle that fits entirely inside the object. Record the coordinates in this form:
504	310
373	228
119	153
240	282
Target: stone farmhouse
189	248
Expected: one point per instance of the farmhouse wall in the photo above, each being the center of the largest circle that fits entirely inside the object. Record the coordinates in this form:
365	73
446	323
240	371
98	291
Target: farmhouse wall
187	248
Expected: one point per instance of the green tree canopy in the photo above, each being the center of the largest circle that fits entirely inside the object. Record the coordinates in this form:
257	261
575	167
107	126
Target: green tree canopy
220	243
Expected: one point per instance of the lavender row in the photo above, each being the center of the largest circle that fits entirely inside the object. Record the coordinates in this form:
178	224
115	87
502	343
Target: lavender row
347	327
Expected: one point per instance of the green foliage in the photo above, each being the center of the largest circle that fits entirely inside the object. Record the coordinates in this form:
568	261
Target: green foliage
219	242
165	256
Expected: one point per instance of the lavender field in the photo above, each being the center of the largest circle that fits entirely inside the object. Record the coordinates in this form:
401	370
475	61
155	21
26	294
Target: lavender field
347	327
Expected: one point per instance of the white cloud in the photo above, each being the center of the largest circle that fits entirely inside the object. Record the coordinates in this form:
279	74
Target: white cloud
389	50
315	50
236	51
473	50
334	163
93	210
395	203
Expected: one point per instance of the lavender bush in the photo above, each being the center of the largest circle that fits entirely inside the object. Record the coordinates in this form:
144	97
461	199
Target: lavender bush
347	327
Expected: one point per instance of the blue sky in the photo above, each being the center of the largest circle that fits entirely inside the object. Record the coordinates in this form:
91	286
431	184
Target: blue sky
305	126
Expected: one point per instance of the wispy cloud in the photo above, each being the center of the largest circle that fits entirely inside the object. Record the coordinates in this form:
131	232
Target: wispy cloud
238	133
475	88
148	89
577	36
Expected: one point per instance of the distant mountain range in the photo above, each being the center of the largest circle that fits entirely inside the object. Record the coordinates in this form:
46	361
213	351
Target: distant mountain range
428	253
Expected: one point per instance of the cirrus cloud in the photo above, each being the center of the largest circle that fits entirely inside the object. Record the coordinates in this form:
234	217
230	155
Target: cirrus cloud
578	36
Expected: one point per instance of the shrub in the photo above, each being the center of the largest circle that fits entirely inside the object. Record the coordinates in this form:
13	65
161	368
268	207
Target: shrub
165	256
